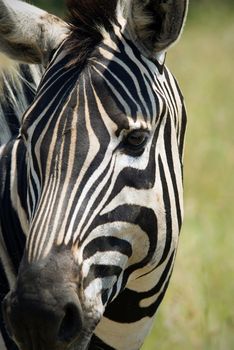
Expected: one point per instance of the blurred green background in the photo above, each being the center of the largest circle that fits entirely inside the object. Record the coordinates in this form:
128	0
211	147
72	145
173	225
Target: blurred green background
198	310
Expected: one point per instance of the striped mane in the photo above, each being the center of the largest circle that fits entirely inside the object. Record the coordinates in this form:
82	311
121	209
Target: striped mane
87	20
18	84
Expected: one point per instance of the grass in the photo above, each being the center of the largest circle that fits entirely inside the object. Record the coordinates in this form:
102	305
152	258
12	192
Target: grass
197	312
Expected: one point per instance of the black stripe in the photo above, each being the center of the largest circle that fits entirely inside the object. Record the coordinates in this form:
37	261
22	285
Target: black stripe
97	344
106	244
101	271
168	148
129	300
167	206
127	98
143	217
20	159
12	232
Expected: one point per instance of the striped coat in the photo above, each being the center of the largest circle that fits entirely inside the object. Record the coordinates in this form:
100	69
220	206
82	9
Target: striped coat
91	184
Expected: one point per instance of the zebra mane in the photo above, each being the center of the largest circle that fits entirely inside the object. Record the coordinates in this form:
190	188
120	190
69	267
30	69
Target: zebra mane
18	84
88	19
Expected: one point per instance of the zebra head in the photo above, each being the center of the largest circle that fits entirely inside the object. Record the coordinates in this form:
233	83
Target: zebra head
103	145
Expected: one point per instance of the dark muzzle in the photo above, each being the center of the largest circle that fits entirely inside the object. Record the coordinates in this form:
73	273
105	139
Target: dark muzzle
43	312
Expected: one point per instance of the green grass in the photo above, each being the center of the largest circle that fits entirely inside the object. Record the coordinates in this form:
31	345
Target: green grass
197	312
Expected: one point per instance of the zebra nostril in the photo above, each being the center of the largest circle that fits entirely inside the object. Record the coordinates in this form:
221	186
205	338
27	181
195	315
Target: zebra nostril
71	324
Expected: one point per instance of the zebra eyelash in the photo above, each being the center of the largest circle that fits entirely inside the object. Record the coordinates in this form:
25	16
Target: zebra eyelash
135	141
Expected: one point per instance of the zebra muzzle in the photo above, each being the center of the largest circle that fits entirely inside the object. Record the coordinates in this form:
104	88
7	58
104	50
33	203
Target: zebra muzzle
43	312
37	325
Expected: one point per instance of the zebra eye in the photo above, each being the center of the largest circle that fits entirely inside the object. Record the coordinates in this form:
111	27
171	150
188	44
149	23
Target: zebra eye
136	140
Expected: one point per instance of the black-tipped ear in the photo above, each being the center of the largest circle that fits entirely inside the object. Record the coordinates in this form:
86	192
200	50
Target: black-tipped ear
155	24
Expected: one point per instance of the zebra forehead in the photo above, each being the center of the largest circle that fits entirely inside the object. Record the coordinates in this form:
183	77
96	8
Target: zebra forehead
114	76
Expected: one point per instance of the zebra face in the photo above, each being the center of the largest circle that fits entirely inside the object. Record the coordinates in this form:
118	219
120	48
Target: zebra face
104	144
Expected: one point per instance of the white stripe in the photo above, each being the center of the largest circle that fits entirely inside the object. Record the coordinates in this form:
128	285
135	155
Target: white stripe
6	262
15	200
123	336
2	344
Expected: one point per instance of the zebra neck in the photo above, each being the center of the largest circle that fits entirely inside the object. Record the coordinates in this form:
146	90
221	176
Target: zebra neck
13	213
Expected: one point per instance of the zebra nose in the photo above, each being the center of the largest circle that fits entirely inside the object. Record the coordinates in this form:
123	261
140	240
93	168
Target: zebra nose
71	323
52	323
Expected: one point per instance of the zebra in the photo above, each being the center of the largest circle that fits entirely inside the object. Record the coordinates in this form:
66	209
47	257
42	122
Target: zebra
92	182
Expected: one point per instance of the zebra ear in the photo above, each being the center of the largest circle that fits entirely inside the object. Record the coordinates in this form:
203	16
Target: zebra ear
27	33
155	24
